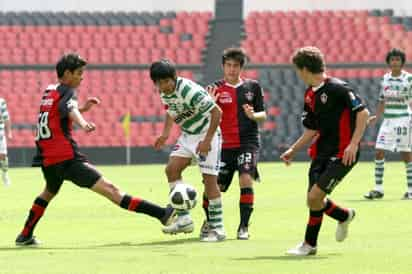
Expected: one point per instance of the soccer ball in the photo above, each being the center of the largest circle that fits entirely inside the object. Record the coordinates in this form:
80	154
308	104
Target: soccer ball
183	196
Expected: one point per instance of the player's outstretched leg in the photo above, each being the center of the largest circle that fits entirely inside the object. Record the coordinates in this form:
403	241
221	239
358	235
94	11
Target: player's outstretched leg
246	208
344	216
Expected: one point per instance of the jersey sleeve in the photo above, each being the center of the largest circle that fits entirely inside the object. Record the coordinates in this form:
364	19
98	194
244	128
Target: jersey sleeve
308	118
352	100
67	103
258	103
4	111
381	97
200	100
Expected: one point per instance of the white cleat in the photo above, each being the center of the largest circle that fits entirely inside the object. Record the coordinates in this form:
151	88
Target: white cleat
180	225
342	228
302	249
214	235
6	179
243	233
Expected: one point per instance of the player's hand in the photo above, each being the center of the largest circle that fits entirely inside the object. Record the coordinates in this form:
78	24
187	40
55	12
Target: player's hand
212	90
349	155
89	127
249	111
203	148
160	142
90	102
287	156
371	120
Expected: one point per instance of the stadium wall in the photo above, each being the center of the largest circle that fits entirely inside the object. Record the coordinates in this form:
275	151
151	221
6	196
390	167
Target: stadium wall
400	6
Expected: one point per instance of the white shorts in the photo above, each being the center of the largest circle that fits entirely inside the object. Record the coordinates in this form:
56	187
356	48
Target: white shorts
186	147
395	135
3	145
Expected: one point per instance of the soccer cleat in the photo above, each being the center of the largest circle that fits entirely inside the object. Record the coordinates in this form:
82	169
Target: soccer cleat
170	213
26	240
6	180
373	194
342	228
204	230
179	226
407	196
243	233
302	249
214	235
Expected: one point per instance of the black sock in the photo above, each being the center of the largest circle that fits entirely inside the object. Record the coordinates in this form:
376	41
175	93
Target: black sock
36	211
336	212
205	206
246	205
313	227
142	206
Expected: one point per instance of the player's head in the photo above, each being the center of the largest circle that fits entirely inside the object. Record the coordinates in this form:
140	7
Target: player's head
69	69
233	60
395	58
163	75
308	61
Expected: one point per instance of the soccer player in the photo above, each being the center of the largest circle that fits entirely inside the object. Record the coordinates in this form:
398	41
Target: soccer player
334	118
5	132
395	131
241	101
191	107
58	155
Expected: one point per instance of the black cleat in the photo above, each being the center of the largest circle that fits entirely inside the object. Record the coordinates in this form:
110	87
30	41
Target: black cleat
26	240
170	213
373	194
407	196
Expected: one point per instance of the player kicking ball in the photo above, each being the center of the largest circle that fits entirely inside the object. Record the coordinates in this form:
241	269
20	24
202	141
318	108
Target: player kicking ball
191	107
58	155
335	119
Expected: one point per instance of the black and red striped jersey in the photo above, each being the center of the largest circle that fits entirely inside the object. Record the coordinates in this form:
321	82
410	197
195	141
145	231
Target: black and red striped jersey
237	129
54	127
331	110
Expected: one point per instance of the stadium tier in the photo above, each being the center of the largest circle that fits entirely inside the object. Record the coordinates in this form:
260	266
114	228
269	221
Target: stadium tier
344	36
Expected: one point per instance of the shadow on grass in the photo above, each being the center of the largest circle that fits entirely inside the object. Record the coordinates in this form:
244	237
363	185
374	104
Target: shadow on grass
111	245
371	201
287	257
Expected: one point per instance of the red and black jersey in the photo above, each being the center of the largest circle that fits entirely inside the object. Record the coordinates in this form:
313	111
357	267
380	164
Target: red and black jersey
54	138
237	129
331	110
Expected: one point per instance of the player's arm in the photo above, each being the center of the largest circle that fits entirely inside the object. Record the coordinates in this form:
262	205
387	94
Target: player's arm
306	138
252	115
161	140
215	116
78	119
90	102
257	111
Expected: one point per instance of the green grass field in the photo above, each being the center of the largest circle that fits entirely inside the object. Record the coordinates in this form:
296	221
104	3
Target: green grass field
83	233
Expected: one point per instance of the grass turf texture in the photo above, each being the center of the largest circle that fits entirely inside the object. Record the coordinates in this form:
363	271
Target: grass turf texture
84	233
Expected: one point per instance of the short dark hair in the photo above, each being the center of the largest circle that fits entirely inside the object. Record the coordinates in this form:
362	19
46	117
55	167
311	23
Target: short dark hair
69	61
161	70
310	58
237	54
395	52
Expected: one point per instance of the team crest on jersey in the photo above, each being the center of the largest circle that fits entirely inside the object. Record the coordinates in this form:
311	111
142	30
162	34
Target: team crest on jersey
323	98
249	95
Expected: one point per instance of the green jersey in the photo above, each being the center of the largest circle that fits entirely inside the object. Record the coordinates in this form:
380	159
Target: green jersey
396	92
4	114
189	106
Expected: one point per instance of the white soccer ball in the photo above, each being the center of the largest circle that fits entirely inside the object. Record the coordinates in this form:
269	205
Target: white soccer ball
183	196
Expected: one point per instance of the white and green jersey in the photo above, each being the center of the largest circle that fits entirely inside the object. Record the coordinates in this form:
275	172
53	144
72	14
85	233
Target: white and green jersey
396	92
189	106
4	115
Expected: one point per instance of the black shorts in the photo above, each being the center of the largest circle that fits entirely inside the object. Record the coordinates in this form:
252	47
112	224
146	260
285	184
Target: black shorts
327	173
79	172
243	160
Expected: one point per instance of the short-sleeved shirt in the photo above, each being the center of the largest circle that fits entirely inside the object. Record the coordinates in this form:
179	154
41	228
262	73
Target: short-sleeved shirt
396	92
331	110
54	127
189	106
4	114
237	129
